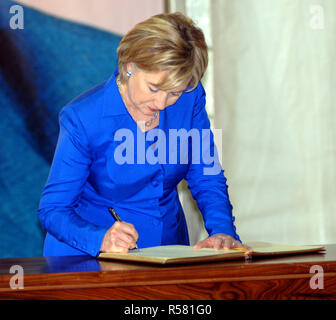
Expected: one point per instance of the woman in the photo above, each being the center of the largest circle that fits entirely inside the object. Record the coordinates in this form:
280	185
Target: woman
128	142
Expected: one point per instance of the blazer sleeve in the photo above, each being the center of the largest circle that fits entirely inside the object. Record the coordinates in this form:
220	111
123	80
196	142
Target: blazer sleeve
68	174
206	180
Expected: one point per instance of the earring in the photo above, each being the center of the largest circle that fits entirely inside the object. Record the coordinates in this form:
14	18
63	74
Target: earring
128	73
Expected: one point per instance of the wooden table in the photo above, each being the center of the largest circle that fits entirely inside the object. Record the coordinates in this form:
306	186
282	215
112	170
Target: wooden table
82	277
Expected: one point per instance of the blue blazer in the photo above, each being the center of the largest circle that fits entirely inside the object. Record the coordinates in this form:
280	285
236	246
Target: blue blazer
87	175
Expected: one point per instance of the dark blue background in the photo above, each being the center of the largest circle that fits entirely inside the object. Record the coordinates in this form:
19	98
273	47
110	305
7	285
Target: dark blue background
42	67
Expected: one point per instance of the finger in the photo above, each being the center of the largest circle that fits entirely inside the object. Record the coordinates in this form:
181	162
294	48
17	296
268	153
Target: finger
198	245
116	245
237	244
126	239
218	243
131	230
118	234
228	244
203	244
126	228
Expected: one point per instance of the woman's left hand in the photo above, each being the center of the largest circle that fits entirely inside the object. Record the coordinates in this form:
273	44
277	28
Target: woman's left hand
220	241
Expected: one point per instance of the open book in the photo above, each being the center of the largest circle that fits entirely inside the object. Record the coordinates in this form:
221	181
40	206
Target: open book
186	254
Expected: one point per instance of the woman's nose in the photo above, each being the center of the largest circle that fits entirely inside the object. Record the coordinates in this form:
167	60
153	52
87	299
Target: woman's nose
161	101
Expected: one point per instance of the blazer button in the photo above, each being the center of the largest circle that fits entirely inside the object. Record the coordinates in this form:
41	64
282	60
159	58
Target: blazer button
155	183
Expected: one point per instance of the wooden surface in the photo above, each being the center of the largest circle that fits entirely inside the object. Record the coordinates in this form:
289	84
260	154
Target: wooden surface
82	277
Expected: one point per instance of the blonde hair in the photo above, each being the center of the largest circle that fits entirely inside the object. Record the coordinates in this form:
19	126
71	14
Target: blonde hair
166	42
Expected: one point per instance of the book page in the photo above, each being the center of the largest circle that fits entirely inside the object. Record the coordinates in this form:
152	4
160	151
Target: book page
177	251
266	248
172	253
184	254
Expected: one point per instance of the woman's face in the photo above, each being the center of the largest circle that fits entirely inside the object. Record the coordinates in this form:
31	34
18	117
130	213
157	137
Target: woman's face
143	94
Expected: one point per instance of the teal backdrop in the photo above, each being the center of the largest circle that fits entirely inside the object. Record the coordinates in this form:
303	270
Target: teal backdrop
42	67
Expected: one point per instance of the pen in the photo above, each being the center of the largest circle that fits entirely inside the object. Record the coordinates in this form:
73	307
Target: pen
114	214
117	218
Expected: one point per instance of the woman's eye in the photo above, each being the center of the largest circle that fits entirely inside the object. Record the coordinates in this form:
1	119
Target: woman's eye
153	90
175	94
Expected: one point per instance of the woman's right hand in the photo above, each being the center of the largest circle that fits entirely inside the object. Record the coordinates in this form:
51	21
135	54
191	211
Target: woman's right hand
121	237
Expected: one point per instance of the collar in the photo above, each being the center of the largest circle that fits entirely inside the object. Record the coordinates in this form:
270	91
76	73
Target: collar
113	103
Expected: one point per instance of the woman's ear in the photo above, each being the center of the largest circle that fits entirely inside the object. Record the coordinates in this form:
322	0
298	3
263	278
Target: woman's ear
131	68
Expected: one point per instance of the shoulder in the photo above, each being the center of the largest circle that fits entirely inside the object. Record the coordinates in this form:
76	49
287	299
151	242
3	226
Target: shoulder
88	104
186	108
87	109
93	113
195	94
193	101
